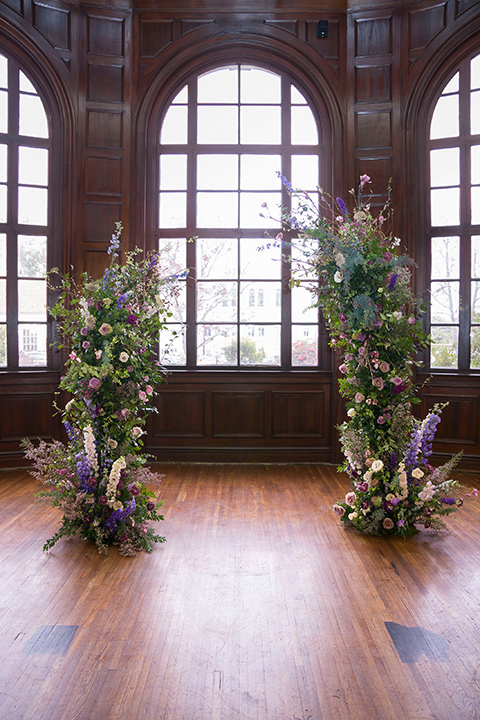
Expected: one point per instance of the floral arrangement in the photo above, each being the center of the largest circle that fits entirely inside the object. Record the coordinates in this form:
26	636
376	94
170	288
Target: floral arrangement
99	479
374	321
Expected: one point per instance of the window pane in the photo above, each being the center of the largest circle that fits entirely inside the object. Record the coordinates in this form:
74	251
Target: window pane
32	300
216	301
3	71
33	166
305	172
258	302
260	125
445	207
304	249
445	167
258	262
217	124
302	300
296	96
216	258
173	172
251	209
32	205
219	86
32	119
453	85
445	258
173	209
216	344
172	346
25	85
444	347
475	347
445	301
3	111
217	210
475	73
32	345
475	205
182	96
175	126
32	256
3	252
475	301
259	345
3	203
3	300
259	86
259	172
304	345
217	172
3	163
445	118
3	345
475	164
173	257
304	127
476	256
475	112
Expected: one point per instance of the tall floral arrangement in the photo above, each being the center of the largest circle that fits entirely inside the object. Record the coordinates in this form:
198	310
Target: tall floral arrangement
363	286
109	328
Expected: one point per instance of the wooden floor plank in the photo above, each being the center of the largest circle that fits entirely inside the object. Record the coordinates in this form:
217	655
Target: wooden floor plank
260	606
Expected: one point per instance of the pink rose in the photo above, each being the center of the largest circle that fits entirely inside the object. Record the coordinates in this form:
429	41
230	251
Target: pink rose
105	329
388	523
384	366
397	380
85	344
149	390
411	320
338	510
380	420
359	397
378	382
94	383
343	368
350	498
142	395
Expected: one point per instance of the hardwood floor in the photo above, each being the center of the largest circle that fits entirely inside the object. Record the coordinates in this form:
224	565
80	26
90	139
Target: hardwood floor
260	606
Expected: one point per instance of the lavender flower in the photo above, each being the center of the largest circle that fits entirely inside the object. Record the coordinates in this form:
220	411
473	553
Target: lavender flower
342	206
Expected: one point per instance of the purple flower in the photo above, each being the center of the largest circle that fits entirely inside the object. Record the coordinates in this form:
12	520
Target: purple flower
84	331
392	279
132	320
94	383
150	506
342	206
448	501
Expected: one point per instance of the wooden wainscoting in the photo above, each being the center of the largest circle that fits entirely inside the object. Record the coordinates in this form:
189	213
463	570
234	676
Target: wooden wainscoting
244	416
260	606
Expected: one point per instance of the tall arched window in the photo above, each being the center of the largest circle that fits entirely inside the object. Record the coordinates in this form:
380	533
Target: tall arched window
454	151
225	140
24	228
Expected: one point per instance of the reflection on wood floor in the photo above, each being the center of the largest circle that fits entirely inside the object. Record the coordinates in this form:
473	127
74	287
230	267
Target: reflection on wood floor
260	606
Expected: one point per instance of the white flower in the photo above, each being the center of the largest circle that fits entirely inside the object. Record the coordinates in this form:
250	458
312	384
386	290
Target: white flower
377	465
123	357
69	405
136	432
351	413
90	322
417	473
397	315
112	443
338	277
340	259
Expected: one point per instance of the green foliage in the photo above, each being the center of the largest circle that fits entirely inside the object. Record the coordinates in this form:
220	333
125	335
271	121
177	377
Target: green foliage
250	354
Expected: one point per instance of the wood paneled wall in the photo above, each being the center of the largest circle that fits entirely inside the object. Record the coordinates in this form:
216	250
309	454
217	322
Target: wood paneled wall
109	66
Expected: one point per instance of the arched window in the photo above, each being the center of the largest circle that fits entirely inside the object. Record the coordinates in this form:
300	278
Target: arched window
225	140
24	227
454	154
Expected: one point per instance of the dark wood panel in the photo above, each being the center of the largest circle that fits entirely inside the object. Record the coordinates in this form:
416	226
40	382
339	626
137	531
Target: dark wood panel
238	414
103	175
373	36
460	419
300	414
373	129
26	416
100	219
329	47
105	35
425	24
104	128
54	24
373	83
105	83
180	414
155	35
